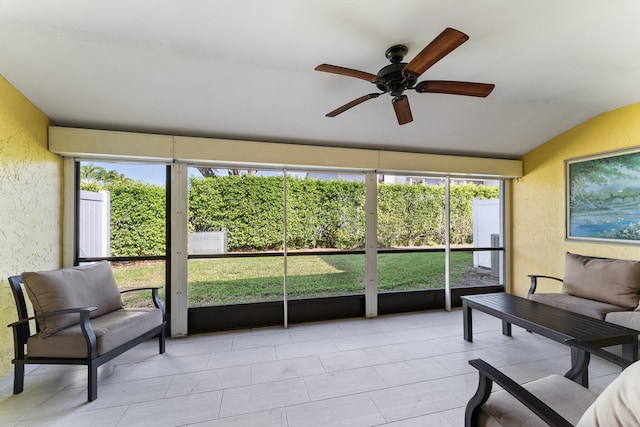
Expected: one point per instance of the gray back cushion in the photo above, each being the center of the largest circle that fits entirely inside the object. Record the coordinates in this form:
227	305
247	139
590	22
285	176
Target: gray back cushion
91	285
614	281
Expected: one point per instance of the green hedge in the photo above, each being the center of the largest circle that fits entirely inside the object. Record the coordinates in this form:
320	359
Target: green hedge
138	217
320	214
328	214
249	208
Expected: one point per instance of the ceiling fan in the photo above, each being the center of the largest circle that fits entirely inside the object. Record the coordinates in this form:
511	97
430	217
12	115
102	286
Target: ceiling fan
400	76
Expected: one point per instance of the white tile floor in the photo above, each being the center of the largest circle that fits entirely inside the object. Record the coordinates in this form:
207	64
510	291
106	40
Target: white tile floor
398	370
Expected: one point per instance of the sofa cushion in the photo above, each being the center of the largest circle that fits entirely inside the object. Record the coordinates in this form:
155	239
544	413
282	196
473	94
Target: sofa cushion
628	319
587	307
112	330
564	396
618	404
90	285
614	281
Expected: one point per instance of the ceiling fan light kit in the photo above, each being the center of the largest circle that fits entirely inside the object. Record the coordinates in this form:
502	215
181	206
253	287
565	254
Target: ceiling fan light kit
399	76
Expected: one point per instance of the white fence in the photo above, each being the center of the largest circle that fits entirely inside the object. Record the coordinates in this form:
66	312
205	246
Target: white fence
486	233
95	217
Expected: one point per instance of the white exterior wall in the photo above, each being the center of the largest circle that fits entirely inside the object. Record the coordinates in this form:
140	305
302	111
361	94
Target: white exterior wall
486	221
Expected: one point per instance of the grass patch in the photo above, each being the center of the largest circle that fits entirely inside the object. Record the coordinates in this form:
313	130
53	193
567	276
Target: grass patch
137	275
242	280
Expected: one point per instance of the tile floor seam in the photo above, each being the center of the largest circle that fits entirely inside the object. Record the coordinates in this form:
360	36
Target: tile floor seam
326	399
324	368
286	416
220	406
387	421
123	415
228	417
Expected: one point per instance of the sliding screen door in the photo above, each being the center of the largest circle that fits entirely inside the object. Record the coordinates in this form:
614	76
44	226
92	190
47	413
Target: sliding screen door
236	236
411	233
476	234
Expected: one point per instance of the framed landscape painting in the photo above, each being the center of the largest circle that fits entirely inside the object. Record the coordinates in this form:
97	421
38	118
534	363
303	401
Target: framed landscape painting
603	198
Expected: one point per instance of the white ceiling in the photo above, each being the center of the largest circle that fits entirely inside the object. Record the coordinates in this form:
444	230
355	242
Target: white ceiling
244	69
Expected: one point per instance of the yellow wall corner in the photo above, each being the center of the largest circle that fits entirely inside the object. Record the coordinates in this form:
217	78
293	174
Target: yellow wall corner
31	191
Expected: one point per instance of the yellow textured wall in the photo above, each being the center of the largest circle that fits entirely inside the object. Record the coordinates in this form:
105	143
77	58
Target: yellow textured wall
538	198
31	195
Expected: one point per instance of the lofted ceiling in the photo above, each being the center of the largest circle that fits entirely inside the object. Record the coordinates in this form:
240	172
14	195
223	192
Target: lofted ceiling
245	69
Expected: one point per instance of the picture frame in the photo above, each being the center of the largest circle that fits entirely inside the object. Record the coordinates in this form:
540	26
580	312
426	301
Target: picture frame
603	198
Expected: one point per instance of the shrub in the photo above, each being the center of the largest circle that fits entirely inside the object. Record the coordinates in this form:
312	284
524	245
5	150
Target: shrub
138	217
320	214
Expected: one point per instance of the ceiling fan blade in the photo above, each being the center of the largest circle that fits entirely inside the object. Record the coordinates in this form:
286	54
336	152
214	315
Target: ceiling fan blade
439	47
345	72
352	104
455	88
403	110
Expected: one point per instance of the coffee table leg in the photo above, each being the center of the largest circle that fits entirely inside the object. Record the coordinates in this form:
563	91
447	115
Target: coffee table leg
466	321
506	328
583	380
630	350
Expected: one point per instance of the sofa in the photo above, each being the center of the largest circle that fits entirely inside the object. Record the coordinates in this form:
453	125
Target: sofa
604	288
80	320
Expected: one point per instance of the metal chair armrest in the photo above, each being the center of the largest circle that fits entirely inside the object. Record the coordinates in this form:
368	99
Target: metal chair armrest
46	314
146	288
154	295
85	325
488	375
534	282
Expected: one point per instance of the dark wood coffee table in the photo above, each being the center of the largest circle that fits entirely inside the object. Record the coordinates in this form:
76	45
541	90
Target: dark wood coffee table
551	322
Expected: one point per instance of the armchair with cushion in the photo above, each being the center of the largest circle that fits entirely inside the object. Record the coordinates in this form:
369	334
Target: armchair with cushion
80	320
556	400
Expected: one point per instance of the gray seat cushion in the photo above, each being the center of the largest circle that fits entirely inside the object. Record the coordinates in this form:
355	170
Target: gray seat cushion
587	307
629	319
111	329
567	398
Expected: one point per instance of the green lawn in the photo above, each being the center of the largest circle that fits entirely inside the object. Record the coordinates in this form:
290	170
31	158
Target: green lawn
236	280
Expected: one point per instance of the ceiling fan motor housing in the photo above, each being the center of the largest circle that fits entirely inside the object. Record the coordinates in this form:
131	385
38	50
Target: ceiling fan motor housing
390	79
